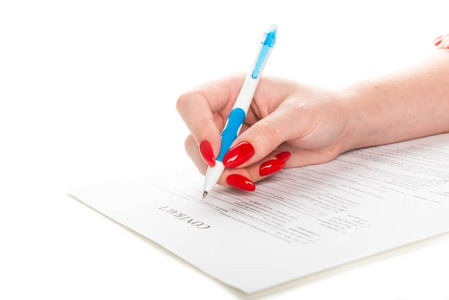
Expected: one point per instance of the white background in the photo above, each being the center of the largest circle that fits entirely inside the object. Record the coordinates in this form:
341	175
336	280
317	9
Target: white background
87	96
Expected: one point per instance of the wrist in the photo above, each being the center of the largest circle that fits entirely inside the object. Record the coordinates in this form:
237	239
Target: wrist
360	127
378	113
397	107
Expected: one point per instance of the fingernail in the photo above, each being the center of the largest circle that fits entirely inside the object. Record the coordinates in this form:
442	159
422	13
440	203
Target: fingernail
284	155
271	166
240	182
438	40
207	153
446	46
238	154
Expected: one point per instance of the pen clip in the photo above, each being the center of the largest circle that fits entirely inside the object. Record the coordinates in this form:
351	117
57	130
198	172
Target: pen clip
268	41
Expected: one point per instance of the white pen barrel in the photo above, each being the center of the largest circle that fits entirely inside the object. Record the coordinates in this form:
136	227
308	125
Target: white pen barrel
246	93
212	175
242	103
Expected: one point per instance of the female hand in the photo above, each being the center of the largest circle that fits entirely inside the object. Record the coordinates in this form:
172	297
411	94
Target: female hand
284	118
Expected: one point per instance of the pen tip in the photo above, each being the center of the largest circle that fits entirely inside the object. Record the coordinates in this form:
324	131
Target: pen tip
204	194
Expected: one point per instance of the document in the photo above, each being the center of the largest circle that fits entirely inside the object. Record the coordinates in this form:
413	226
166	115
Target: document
297	222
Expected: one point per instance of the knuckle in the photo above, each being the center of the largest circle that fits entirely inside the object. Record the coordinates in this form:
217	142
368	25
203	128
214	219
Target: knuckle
200	128
188	142
183	99
180	102
300	107
196	132
269	132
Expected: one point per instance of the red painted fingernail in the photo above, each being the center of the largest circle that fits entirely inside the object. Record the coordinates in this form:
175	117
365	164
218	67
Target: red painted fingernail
284	155
207	153
240	182
438	40
238	154
271	166
446	46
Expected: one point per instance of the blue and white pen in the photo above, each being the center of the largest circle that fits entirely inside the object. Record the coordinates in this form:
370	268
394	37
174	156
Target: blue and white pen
241	106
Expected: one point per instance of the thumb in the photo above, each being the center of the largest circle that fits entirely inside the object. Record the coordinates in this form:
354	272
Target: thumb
260	140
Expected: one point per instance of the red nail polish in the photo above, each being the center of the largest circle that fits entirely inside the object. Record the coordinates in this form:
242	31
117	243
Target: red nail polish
438	40
284	156
238	154
446	46
240	182
271	166
207	153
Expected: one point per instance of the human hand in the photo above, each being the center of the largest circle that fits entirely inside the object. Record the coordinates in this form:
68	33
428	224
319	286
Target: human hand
284	118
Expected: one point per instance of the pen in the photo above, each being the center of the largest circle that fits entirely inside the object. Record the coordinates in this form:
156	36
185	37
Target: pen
238	112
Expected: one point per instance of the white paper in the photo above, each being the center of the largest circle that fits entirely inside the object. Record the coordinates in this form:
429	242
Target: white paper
297	222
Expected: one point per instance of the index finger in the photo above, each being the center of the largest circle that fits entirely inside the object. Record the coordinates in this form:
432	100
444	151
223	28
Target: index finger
208	105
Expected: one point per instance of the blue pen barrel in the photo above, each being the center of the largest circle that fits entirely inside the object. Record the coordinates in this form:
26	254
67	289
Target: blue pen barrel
229	134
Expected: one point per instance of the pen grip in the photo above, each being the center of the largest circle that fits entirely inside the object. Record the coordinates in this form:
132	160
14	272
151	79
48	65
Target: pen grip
229	134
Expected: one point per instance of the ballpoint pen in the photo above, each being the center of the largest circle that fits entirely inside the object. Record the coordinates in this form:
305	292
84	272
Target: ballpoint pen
238	112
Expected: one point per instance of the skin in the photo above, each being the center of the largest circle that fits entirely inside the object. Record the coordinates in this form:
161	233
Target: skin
317	124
